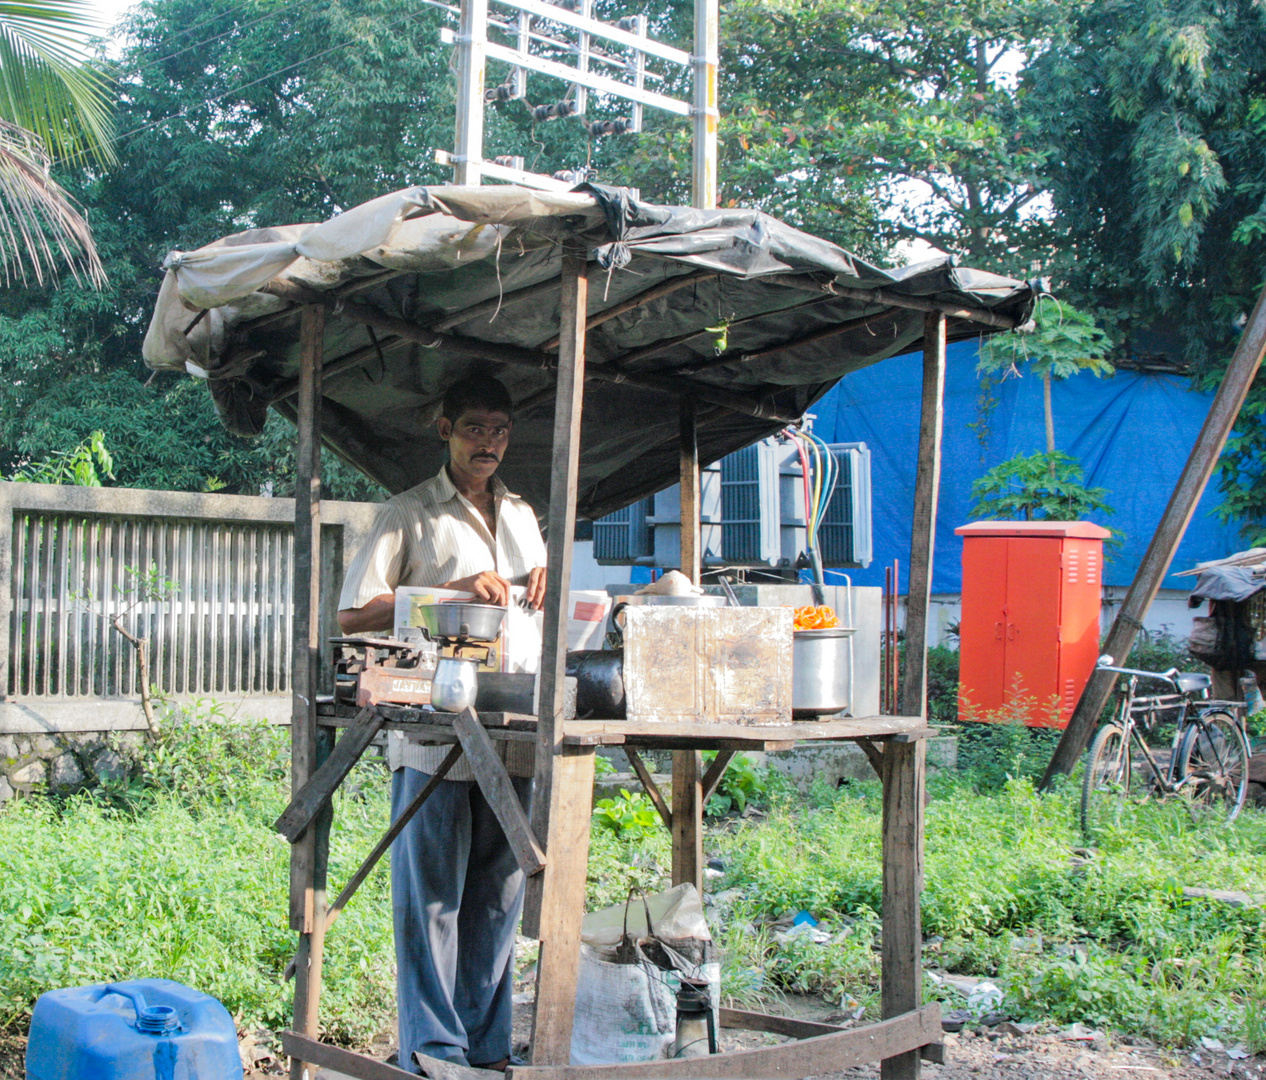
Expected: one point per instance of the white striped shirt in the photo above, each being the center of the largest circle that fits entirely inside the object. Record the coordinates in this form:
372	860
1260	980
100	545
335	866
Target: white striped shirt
429	535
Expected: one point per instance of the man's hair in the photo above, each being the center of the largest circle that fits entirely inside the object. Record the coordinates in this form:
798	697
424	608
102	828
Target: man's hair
481	392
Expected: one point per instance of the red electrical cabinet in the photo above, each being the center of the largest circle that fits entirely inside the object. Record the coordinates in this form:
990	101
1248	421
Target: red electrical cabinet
1029	635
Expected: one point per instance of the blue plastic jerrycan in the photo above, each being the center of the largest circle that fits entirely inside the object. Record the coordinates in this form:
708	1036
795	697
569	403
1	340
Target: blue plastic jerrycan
146	1029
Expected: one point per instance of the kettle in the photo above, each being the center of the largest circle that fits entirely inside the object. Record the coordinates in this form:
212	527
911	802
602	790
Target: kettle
455	683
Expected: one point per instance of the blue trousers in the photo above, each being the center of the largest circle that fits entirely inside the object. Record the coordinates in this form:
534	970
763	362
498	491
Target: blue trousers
456	896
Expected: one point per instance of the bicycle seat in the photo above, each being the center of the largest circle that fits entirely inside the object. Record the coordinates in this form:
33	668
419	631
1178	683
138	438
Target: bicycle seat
1190	681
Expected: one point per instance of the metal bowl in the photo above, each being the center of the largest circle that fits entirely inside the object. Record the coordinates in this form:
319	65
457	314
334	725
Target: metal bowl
478	622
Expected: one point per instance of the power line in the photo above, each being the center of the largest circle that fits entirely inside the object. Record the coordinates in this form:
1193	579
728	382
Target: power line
253	82
207	41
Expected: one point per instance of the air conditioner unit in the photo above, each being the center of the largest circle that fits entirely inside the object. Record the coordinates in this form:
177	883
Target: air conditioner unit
845	535
624	537
750	514
753	514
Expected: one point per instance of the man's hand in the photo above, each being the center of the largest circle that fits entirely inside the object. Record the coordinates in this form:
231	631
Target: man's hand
536	588
488	585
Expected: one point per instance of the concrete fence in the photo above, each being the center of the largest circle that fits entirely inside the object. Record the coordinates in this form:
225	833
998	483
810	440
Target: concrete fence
72	557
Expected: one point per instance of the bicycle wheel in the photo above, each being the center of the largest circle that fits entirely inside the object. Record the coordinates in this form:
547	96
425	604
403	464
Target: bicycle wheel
1212	768
1106	783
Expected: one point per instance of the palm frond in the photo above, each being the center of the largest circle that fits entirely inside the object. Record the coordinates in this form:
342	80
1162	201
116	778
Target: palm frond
40	226
46	86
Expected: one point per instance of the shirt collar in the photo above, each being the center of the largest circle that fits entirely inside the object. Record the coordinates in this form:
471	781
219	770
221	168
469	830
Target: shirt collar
446	489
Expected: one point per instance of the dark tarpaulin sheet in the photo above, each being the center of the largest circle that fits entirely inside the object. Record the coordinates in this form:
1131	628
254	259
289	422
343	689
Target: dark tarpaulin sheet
754	284
1132	434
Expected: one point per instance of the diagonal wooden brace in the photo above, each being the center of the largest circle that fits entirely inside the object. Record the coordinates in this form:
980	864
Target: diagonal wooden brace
494	782
652	789
712	778
321	786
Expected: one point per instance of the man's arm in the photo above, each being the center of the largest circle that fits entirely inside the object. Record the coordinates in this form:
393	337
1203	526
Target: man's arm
378	614
488	586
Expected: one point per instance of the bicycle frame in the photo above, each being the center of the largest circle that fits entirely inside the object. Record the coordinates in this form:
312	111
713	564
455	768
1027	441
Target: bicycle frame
1133	706
1180	702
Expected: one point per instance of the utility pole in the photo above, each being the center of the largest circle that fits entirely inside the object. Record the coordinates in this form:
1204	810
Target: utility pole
573	31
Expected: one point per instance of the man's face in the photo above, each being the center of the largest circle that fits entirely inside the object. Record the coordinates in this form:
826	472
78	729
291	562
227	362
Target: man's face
476	440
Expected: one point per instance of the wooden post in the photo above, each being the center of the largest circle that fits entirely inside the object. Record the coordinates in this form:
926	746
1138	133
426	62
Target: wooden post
927	486
1224	411
562	798
687	768
901	990
688	818
307	857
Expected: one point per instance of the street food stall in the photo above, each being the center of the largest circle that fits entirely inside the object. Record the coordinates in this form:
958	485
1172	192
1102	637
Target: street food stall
637	341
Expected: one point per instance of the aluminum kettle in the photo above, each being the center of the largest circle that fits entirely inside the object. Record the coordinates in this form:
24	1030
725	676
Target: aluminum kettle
455	684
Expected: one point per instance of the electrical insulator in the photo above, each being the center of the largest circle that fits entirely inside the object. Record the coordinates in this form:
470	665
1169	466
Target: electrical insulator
628	24
559	109
609	127
504	92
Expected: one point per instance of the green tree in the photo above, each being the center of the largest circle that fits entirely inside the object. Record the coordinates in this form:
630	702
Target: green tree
1037	487
51	104
1156	112
907	110
1065	341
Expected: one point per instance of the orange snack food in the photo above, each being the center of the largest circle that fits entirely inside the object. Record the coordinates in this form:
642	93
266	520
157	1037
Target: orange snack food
815	618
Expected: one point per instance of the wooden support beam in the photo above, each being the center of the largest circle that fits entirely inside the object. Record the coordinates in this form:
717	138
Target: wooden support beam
563	786
927	486
519	357
345	1062
1223	413
562	905
380	849
901	977
820	1055
652	789
346	362
307	862
874	754
498	791
656	292
712	778
320	788
688	819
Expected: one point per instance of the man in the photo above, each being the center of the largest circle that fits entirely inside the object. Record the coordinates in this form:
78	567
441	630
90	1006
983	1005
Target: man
455	886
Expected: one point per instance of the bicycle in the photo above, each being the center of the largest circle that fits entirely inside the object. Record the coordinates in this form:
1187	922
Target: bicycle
1208	754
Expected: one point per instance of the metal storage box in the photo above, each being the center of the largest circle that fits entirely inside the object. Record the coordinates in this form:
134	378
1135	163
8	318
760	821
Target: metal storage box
1030	627
685	665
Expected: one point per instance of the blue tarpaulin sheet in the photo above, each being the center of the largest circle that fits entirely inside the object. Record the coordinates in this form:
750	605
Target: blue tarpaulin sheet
1131	432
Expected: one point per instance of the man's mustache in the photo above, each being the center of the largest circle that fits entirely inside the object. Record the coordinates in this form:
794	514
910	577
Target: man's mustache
485	457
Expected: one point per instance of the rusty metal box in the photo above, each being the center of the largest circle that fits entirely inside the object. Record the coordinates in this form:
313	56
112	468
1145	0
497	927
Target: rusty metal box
686	665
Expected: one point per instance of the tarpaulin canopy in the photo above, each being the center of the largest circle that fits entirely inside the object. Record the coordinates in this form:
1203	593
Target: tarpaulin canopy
753	318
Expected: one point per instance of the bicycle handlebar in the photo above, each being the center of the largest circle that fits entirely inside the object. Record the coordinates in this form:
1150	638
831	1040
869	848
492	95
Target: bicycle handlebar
1165	676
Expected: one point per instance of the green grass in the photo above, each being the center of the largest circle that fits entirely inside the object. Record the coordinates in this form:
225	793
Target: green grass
1119	944
177	873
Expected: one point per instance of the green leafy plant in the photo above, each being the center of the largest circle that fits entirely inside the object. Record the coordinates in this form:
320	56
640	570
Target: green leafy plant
1065	342
741	783
1038	486
629	816
83	466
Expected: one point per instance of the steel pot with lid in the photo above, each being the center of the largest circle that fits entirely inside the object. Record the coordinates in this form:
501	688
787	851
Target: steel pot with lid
821	671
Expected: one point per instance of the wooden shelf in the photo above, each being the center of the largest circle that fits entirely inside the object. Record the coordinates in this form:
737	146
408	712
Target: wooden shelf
436	727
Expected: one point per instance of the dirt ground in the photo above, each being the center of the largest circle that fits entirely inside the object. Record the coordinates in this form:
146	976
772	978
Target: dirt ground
987	1055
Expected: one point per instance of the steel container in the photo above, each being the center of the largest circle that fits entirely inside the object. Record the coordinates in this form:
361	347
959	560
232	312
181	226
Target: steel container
478	622
821	671
456	684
